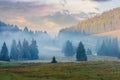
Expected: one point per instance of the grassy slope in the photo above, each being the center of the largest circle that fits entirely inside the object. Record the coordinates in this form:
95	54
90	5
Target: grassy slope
61	71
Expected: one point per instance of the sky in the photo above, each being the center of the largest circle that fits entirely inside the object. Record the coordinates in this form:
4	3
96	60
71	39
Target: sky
51	15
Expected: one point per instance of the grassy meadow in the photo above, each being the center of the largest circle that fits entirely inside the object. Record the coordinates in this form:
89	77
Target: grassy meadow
109	70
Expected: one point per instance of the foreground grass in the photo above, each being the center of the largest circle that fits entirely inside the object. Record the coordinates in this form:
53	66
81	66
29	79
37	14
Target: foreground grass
61	71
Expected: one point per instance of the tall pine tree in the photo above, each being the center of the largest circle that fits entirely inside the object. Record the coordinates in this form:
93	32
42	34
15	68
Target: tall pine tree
81	53
68	50
4	55
14	51
34	50
102	49
26	50
20	53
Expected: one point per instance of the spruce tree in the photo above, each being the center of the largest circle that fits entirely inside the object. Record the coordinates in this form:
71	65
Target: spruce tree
34	50
81	53
26	50
4	55
26	29
68	51
14	51
102	49
19	48
115	47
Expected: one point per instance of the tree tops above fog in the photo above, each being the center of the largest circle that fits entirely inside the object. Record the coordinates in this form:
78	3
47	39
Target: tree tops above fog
2	24
14	28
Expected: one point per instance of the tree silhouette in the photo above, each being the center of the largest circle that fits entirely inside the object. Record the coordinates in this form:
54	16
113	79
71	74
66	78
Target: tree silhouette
81	53
54	60
34	50
20	51
4	53
26	50
14	51
68	50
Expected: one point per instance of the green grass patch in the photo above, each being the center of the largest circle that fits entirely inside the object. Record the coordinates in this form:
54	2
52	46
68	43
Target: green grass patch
61	71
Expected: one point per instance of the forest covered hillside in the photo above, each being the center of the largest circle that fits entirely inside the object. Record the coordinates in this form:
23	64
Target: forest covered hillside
107	21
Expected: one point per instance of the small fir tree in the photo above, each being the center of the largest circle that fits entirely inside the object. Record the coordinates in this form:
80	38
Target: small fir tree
54	60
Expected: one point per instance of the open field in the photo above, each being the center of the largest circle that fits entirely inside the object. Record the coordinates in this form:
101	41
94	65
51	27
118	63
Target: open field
60	71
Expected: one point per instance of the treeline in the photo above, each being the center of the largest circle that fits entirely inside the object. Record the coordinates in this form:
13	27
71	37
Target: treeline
11	32
109	47
14	28
81	54
20	51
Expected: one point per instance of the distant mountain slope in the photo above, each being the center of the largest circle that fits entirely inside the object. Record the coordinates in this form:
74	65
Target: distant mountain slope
108	21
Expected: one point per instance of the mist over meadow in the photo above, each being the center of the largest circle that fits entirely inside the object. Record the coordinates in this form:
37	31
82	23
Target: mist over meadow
95	37
59	46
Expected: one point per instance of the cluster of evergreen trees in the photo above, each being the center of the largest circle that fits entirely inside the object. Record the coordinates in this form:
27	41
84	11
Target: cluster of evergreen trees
20	51
24	51
69	50
109	47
